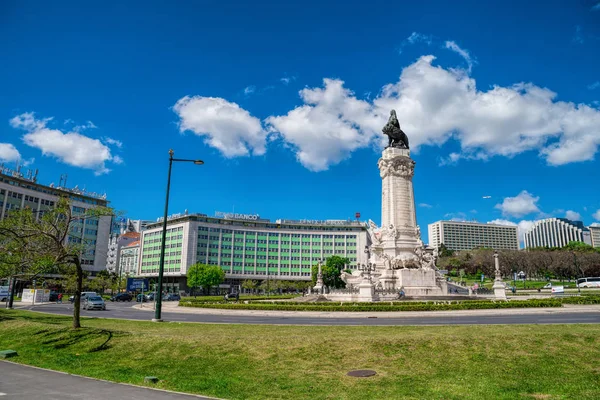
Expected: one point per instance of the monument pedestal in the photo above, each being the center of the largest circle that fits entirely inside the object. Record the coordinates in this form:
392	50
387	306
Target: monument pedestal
366	292
499	290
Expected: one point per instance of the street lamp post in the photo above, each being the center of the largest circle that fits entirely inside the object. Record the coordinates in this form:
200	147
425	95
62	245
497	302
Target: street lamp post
161	267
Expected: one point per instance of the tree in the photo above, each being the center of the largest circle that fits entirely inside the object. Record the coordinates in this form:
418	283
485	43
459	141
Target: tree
332	271
205	276
250	285
443	251
51	241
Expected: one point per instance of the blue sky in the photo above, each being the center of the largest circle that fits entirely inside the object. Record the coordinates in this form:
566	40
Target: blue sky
284	101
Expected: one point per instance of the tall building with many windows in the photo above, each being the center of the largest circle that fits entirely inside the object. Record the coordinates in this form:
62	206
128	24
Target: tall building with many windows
556	232
595	235
247	247
457	235
18	192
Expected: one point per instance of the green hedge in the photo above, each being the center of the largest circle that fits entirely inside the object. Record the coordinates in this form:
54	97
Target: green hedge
407	306
584	299
213	299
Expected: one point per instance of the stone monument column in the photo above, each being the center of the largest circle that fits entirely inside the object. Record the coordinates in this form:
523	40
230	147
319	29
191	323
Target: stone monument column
396	169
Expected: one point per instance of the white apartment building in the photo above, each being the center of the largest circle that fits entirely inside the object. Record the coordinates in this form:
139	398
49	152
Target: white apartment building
129	258
116	243
18	191
595	235
556	232
457	235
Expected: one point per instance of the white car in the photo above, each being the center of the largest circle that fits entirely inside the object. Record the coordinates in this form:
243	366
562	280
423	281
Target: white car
547	286
94	303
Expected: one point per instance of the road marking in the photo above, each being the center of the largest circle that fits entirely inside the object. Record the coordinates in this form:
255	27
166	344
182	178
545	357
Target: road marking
2	394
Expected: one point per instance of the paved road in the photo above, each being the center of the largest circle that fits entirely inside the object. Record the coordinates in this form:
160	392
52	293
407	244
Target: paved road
549	316
22	382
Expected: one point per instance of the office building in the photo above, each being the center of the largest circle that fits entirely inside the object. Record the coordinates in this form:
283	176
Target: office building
18	191
556	232
457	235
247	247
595	235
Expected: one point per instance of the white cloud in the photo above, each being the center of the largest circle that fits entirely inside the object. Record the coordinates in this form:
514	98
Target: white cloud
456	216
9	153
595	224
225	126
522	226
419	37
596	7
249	89
118	160
287	79
71	148
425	205
328	127
522	204
415	37
87	125
594	85
596	215
572	215
114	142
451	45
433	104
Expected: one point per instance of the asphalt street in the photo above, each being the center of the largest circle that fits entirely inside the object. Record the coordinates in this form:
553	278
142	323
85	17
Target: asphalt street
126	311
23	382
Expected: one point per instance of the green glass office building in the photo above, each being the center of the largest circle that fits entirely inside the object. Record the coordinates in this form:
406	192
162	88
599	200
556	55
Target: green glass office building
247	247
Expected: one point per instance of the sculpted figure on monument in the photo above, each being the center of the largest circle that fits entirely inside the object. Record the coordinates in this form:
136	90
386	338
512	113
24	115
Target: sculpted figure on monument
397	138
375	233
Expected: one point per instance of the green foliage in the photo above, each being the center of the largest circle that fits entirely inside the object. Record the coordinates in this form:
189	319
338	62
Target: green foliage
332	271
205	276
250	284
443	251
383	306
50	243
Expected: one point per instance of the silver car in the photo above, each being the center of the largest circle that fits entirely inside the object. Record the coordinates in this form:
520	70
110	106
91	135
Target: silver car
94	303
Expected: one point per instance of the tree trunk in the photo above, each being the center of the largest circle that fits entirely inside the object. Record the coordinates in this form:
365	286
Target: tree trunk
77	302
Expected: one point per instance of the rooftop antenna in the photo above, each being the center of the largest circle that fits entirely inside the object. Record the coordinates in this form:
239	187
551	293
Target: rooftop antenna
35	174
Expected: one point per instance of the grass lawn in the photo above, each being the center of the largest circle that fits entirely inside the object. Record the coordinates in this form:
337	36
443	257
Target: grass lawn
299	362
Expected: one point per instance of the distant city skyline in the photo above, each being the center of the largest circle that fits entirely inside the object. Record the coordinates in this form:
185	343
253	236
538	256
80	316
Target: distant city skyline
285	106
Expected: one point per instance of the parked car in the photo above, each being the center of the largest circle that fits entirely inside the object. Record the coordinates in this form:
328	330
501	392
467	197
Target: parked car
232	296
150	296
141	298
122	297
171	297
84	296
94	303
547	286
53	296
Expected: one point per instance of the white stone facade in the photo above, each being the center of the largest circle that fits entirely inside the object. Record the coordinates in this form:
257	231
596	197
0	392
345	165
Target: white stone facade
129	259
459	235
397	252
556	232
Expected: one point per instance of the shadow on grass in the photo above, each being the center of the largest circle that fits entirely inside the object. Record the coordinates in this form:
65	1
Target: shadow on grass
66	337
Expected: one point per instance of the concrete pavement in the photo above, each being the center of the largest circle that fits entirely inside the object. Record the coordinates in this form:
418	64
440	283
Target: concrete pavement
173	313
24	382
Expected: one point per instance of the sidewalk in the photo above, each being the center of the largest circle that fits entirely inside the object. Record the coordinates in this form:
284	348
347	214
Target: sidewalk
568	309
19	381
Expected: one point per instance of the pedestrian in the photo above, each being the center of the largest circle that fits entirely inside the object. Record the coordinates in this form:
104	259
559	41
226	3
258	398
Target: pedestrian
59	298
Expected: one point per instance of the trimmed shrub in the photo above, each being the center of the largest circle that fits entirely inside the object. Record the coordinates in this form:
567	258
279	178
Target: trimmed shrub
387	306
